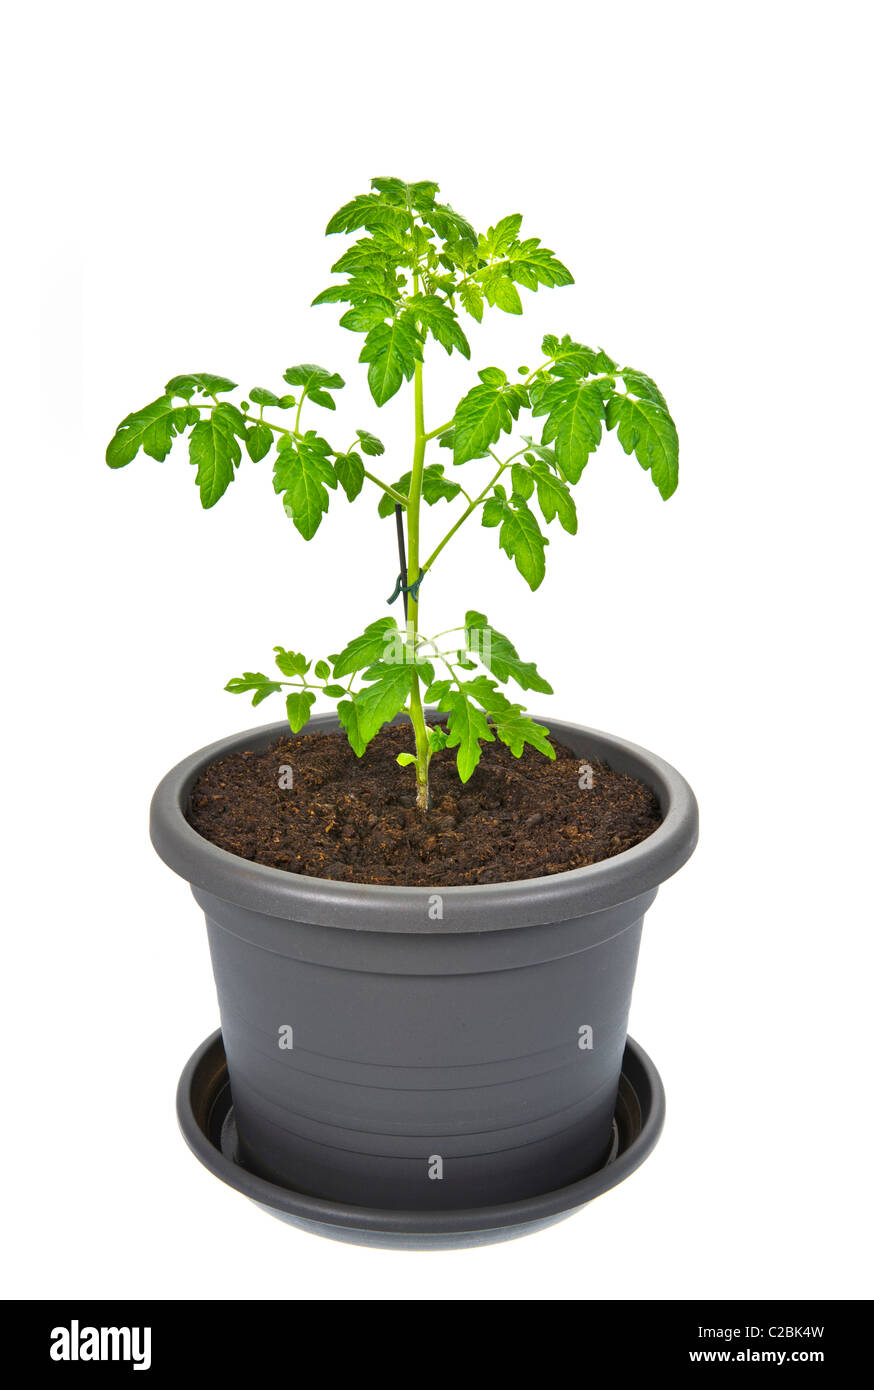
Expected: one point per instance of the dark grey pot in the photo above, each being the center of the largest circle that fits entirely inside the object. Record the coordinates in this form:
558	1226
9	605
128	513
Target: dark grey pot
437	1061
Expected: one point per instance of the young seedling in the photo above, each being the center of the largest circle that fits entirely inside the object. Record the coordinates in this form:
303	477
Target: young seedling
417	267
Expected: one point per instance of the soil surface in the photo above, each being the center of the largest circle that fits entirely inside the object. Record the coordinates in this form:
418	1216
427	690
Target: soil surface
356	819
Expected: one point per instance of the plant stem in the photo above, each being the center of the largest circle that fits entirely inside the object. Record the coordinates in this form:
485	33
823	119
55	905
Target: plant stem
432	434
463	518
390	491
417	713
474	503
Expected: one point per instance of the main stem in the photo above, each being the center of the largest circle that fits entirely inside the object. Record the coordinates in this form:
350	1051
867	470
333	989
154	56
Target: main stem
417	712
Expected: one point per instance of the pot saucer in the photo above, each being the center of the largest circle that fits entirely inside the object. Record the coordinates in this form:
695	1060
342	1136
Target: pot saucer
206	1116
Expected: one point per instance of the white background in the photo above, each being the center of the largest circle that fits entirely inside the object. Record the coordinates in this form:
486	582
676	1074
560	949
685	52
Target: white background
705	171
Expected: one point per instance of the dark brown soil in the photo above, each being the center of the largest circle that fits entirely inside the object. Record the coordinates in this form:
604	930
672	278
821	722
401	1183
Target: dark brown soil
356	819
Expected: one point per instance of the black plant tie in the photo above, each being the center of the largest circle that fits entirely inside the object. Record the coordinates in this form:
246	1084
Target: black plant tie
400	586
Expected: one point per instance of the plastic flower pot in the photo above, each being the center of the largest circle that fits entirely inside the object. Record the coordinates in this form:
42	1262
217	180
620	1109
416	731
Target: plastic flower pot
408	1049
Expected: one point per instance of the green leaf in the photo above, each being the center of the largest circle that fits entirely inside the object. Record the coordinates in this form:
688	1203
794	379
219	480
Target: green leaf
386	504
497	653
482	415
373	289
436	690
302	472
261	396
459	255
499	290
351	719
532	264
298	705
370	647
435	314
354	214
424	669
487	694
647	430
370	445
471	297
405	759
206	382
363	316
575	410
493	376
322	670
392	350
215	452
397	191
542	451
467	728
449	224
639	384
253	681
526	262
312	377
575	360
523	540
523	480
291	663
151	429
437	737
334	294
494	508
366	210
259	440
514	728
350	471
434	487
372	264
554	497
376	703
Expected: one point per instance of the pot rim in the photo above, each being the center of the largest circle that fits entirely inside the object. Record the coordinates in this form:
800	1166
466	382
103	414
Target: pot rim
466	907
